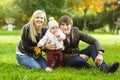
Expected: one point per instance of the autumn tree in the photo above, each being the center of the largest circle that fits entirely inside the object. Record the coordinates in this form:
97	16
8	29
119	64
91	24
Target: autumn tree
85	6
112	10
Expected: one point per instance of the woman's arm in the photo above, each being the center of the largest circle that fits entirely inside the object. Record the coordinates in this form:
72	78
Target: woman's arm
25	40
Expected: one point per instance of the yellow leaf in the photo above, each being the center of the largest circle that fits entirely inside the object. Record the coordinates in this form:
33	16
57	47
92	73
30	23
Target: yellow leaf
37	50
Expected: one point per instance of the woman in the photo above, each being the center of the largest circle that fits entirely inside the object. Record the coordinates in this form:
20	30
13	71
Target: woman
73	56
32	32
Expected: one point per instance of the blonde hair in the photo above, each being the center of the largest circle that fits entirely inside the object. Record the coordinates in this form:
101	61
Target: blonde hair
33	32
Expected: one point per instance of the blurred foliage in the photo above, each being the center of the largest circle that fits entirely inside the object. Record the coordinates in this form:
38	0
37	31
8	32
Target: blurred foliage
85	6
110	13
51	7
93	22
78	22
90	13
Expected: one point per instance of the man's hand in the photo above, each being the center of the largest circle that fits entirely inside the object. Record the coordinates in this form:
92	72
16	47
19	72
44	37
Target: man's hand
99	59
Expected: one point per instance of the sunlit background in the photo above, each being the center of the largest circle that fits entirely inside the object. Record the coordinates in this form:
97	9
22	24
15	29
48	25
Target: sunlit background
87	14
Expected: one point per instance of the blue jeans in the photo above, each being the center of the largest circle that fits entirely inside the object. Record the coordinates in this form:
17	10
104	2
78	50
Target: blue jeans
79	62
91	52
30	62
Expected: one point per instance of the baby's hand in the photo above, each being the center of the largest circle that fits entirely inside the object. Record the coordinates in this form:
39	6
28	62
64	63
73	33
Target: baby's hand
57	35
38	45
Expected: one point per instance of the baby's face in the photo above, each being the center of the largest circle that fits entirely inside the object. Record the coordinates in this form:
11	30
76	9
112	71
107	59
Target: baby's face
54	30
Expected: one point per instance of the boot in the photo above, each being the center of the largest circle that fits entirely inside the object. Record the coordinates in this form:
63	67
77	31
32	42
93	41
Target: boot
111	68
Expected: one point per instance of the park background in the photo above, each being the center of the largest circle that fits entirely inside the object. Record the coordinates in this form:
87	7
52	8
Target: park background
95	17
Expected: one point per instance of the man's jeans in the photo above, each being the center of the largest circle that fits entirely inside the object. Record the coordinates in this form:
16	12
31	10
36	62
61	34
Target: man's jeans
31	62
79	62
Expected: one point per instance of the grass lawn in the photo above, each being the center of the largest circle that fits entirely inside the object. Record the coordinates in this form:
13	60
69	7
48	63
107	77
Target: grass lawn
10	71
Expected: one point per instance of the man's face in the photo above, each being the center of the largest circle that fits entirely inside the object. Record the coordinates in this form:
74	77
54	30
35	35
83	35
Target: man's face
65	27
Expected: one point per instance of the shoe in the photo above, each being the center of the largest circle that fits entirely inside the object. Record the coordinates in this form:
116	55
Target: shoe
111	68
48	69
60	67
18	64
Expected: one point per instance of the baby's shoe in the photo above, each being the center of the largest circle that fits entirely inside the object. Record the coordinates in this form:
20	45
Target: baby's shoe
48	69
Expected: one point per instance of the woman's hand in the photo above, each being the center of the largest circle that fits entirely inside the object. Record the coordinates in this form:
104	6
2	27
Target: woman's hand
50	46
99	59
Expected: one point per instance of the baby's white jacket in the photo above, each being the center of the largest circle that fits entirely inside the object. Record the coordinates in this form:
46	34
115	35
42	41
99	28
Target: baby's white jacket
54	40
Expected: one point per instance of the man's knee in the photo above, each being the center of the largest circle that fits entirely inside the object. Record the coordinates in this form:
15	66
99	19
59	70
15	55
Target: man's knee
92	46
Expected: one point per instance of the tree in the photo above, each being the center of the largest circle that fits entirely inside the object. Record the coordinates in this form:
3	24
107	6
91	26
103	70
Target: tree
51	7
85	6
21	10
112	11
8	10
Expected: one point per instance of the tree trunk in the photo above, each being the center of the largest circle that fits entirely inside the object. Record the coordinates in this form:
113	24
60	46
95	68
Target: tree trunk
85	21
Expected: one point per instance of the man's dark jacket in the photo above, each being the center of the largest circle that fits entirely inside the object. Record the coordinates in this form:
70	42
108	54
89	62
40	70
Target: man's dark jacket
72	48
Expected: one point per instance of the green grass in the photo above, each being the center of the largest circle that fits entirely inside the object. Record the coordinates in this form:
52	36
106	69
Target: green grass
9	70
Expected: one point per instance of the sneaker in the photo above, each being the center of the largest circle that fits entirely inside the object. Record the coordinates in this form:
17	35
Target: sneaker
111	68
48	69
18	64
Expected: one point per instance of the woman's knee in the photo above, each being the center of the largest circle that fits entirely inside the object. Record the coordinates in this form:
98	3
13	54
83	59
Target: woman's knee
32	65
36	66
28	61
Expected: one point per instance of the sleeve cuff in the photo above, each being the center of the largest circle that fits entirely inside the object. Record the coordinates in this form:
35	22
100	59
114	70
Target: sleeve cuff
100	52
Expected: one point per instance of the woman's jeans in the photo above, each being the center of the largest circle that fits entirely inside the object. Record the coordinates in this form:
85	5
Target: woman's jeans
79	62
30	62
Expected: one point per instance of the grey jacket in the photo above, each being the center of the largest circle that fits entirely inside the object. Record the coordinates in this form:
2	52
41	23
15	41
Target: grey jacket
71	49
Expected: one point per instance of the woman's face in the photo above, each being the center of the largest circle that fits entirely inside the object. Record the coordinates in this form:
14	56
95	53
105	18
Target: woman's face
65	27
39	20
